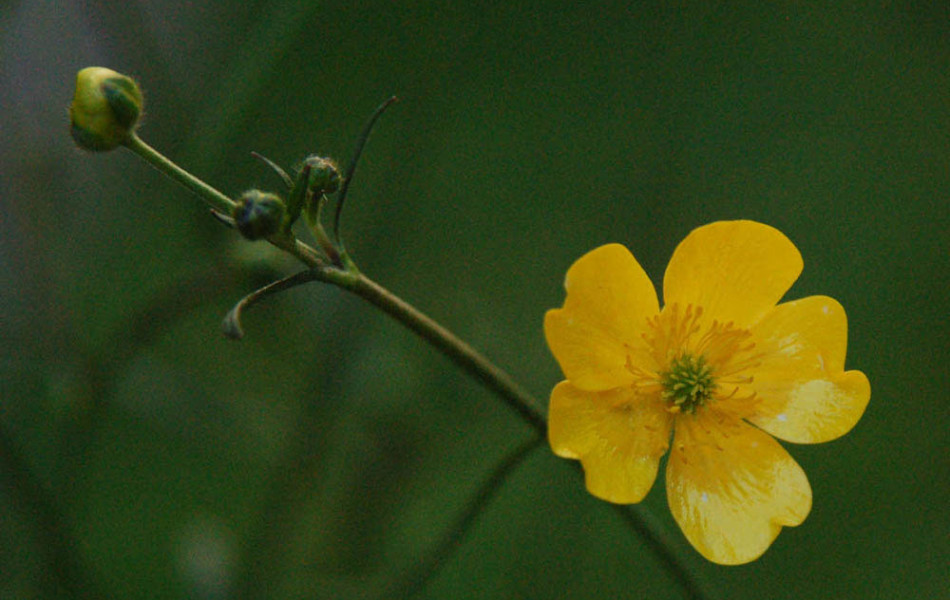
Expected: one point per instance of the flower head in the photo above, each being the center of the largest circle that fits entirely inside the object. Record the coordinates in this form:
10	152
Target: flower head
105	110
711	377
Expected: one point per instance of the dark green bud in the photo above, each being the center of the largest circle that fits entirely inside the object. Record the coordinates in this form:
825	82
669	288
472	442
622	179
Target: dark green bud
324	175
258	214
105	110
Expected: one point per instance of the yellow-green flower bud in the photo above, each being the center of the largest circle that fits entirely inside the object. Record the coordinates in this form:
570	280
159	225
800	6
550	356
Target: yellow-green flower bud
258	214
105	109
324	175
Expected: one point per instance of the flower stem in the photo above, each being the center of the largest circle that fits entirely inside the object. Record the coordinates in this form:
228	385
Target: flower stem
346	275
473	362
645	524
638	518
417	577
213	197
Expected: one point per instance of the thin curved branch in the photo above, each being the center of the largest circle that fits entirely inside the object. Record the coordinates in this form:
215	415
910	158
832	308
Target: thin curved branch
642	522
351	169
231	326
430	565
287	179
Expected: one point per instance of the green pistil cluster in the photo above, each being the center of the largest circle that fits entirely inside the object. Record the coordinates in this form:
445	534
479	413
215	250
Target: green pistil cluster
689	383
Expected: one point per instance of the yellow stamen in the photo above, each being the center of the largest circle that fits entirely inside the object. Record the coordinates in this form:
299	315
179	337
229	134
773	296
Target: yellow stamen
698	362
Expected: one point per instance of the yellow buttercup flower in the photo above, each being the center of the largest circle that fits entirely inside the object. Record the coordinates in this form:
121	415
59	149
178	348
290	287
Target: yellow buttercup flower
711	377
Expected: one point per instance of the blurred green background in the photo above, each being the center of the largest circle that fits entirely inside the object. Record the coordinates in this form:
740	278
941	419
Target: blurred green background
527	134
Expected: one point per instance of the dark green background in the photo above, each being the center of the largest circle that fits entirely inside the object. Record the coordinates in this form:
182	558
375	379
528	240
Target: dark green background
527	134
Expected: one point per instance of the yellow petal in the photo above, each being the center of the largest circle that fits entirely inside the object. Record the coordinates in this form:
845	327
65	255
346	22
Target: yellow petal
731	488
808	336
609	299
811	411
803	394
735	270
618	436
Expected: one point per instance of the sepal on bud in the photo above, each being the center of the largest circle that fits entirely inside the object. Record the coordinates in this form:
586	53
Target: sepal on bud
258	214
105	110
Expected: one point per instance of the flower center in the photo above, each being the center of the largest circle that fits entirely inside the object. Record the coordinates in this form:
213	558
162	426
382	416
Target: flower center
689	383
691	362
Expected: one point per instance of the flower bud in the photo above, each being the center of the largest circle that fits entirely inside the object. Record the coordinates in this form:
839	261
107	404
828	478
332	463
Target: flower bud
105	109
258	214
324	175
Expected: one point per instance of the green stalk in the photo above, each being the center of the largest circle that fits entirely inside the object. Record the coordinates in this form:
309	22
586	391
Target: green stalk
211	196
346	275
416	577
511	392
